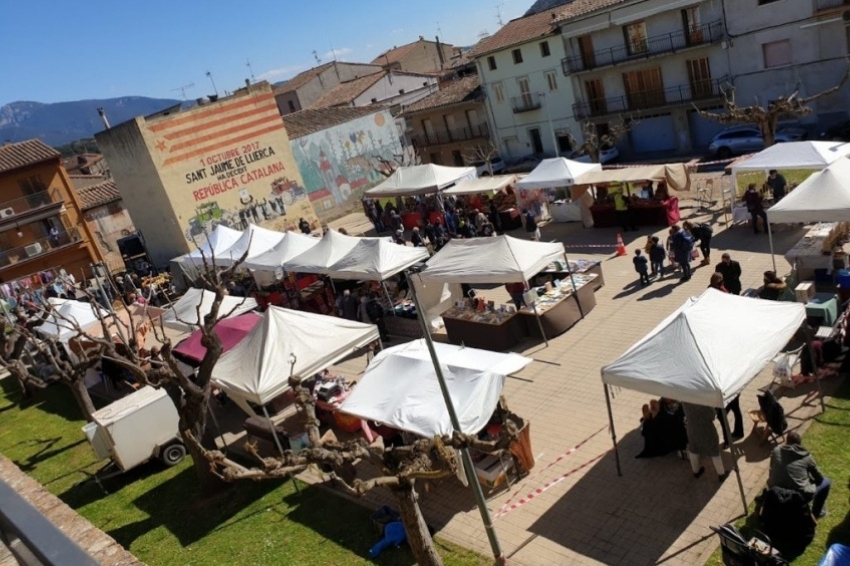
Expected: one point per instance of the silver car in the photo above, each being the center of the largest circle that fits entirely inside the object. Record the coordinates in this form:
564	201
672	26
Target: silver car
746	140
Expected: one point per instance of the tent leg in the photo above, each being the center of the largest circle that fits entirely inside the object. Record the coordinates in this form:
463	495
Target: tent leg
725	423
770	239
573	283
217	428
389	299
540	323
811	350
613	432
279	446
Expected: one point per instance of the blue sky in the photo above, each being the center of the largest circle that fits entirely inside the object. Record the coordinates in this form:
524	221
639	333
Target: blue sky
54	50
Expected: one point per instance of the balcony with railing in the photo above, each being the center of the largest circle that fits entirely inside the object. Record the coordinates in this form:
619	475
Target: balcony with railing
443	137
39	247
828	5
525	103
704	34
31	208
649	99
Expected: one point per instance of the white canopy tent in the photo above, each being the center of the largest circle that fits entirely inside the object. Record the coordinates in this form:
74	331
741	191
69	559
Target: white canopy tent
189	310
420	180
254	241
257	370
556	172
66	315
219	240
265	265
481	185
706	352
375	259
400	387
332	248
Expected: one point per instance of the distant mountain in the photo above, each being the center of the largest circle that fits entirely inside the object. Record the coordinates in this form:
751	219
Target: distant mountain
62	122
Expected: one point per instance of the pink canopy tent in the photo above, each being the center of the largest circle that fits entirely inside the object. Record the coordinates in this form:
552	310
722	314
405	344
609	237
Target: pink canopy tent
231	331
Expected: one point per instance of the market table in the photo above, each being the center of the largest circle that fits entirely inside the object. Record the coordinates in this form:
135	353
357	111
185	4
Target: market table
824	306
654	213
579	266
485	330
808	255
558	311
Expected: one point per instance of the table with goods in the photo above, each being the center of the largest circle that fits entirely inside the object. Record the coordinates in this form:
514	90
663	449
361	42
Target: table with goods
821	249
555	306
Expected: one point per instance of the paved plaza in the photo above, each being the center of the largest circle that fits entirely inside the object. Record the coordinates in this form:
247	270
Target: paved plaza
656	512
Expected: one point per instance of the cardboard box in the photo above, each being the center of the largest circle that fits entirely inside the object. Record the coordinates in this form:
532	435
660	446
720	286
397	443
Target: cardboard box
804	291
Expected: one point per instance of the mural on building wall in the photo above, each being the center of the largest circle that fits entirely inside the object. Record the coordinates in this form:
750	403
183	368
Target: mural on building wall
230	164
338	164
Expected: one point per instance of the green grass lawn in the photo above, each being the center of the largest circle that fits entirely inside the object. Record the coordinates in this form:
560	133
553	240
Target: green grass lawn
159	515
827	439
792	176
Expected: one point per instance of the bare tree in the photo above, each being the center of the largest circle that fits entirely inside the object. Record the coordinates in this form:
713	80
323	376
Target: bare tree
485	152
766	118
387	166
593	144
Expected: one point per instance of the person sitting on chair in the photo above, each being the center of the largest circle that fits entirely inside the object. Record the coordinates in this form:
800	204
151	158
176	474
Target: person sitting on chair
792	467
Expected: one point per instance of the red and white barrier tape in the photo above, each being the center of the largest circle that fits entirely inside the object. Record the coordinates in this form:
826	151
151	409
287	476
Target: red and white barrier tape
507	505
590	245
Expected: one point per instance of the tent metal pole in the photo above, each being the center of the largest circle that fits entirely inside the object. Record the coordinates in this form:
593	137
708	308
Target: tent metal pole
770	239
468	466
537	316
725	422
613	432
811	350
573	283
389	299
279	445
218	428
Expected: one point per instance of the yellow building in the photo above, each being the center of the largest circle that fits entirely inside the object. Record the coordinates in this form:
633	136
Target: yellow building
226	161
41	226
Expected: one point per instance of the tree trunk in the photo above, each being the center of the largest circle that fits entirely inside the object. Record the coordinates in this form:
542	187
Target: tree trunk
193	417
418	537
82	397
768	132
209	482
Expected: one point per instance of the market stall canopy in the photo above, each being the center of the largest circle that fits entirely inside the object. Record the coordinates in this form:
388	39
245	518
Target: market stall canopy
231	331
292	245
68	315
376	259
254	240
190	309
823	197
481	185
502	259
674	174
257	369
219	240
420	180
556	172
332	248
795	155
400	387
708	350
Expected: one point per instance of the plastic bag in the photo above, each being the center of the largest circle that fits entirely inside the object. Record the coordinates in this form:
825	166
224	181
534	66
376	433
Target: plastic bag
783	369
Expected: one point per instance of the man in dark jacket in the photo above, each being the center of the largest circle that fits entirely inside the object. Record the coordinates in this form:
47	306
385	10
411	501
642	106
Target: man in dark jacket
683	244
702	233
792	467
731	272
755	206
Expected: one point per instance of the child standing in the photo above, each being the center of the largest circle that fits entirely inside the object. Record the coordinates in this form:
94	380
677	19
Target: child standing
642	267
657	253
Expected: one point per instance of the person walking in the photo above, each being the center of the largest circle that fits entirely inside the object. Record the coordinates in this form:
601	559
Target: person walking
623	212
642	267
376	314
531	225
792	467
731	272
777	184
734	407
682	245
416	238
657	254
701	232
755	206
703	440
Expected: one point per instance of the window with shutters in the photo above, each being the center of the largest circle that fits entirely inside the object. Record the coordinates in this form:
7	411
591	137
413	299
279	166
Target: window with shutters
777	53
498	92
636	37
644	89
699	77
517	55
544	49
552	81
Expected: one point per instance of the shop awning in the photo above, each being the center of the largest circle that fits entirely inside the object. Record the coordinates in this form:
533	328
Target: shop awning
502	259
184	314
675	175
290	246
823	197
230	331
254	241
257	370
400	387
556	172
481	185
420	180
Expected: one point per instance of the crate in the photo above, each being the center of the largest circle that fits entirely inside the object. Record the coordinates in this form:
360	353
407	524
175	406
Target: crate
804	292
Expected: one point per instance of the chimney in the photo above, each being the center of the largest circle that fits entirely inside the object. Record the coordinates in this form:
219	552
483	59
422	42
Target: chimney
421	38
247	82
440	52
102	114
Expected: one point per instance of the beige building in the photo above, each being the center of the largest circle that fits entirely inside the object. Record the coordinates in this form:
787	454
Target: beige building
447	126
305	88
106	216
421	56
222	162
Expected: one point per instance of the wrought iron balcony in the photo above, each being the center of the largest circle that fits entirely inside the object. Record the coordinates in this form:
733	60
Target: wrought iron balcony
525	103
444	137
655	45
32	207
38	247
646	100
823	5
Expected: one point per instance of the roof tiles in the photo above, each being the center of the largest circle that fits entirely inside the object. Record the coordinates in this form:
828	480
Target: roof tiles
98	195
25	153
461	90
311	120
345	93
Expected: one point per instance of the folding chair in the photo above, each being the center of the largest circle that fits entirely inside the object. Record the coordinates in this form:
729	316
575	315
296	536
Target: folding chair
705	193
738	551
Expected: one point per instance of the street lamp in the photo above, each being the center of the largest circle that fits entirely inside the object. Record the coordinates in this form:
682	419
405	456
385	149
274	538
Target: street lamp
468	466
551	127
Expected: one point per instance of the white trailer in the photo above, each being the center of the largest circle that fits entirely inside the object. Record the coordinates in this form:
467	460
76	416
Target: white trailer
136	428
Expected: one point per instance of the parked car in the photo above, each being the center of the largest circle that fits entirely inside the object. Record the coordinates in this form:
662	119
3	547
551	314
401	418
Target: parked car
606	155
495	167
746	139
838	132
524	164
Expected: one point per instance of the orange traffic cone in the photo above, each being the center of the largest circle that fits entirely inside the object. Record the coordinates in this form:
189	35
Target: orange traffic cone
621	247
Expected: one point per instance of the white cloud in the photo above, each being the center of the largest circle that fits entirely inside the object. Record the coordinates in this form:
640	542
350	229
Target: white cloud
397	31
337	54
282	72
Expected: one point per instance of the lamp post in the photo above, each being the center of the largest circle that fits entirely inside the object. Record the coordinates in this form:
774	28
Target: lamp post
468	466
551	127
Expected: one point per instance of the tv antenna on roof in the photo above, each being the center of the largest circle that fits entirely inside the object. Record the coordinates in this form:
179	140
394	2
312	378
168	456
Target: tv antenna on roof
316	57
183	89
499	14
439	30
250	70
209	74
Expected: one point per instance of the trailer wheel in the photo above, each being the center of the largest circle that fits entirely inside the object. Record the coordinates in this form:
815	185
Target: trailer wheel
173	454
